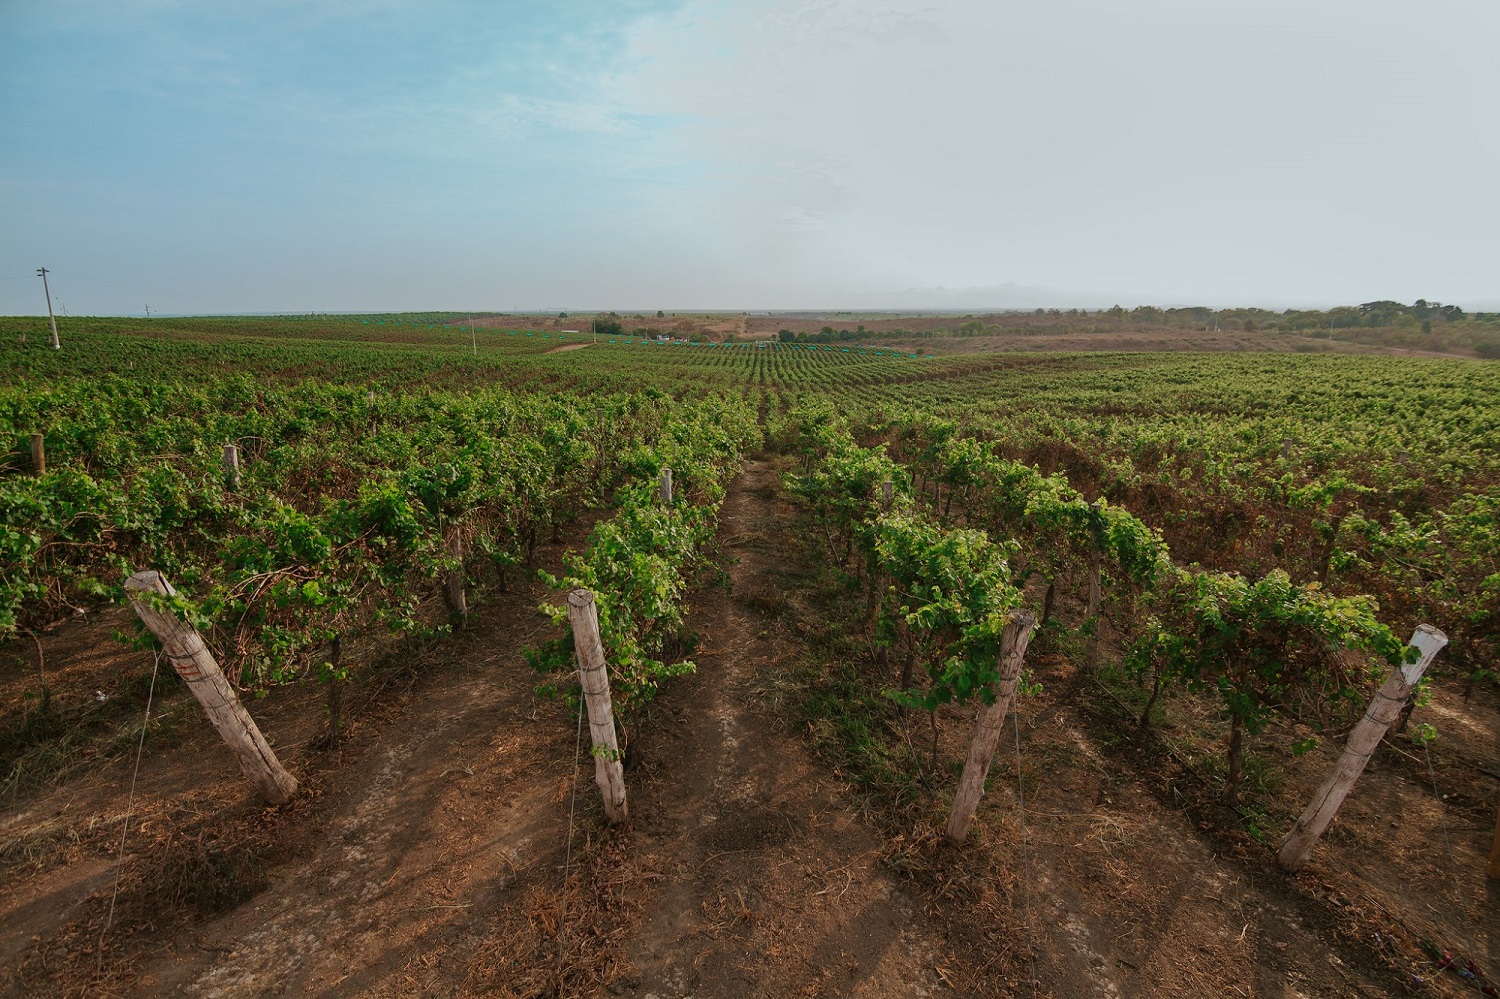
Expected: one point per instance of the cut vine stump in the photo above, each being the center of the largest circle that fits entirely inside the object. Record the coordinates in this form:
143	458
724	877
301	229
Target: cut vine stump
189	656
1298	845
609	770
989	724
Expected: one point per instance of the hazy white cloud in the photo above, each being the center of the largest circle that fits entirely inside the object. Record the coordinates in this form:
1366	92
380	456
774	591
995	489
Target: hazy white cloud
1226	151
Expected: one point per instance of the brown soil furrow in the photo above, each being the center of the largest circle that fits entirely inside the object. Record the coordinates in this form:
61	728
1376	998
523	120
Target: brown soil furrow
774	886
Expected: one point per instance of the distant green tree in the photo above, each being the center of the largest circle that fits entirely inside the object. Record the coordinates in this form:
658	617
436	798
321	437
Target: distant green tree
1344	317
1383	312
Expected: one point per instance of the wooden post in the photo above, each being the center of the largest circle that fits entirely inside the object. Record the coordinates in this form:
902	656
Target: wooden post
232	465
189	656
1096	593
38	454
989	724
458	603
1494	869
1298	845
609	771
666	486
888	493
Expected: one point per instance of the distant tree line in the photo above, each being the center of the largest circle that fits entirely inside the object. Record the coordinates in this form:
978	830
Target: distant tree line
830	335
1423	324
1371	315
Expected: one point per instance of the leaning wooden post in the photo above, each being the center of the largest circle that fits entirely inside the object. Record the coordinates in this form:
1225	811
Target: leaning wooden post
666	486
989	724
38	454
1298	845
609	771
458	603
232	465
1096	593
189	656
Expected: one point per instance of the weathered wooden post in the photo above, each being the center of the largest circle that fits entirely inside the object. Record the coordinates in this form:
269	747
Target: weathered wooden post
1298	845
888	493
609	770
189	656
38	454
458	603
1096	592
989	724
232	465
666	486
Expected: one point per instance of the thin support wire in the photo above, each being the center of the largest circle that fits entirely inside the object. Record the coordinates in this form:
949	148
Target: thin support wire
1025	861
562	918
129	810
573	798
1448	848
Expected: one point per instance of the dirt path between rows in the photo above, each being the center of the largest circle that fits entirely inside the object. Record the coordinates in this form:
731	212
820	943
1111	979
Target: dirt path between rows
772	886
567	347
445	805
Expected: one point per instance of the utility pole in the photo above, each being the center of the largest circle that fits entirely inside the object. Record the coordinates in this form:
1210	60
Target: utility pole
473	338
148	310
42	271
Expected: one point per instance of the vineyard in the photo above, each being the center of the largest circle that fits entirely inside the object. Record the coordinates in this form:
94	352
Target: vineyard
971	674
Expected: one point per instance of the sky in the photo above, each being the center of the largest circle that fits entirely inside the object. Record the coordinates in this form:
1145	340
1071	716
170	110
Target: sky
330	155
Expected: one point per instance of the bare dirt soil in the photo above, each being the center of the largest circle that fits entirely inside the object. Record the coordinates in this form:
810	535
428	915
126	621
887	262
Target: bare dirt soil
431	853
